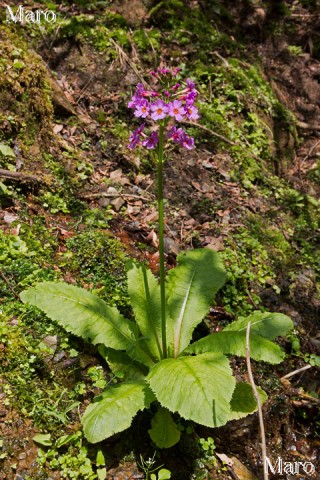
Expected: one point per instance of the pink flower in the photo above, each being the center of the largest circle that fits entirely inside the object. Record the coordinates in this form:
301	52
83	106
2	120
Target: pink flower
192	112
190	84
176	134
142	109
176	110
152	141
137	97
190	97
159	110
135	136
179	136
188	142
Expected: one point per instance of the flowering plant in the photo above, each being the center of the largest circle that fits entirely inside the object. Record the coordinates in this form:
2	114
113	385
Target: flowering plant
169	101
154	352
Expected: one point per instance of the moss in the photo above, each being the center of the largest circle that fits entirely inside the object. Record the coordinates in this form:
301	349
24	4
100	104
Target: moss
167	12
98	261
25	101
144	39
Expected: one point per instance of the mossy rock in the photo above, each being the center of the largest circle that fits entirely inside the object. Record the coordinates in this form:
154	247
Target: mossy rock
26	108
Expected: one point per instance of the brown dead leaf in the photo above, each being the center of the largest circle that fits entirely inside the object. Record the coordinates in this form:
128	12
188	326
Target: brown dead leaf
151	217
117	177
57	128
10	217
152	238
196	185
214	243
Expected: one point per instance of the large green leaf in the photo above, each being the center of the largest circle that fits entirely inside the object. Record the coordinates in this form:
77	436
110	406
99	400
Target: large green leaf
199	388
113	411
122	365
164	431
243	401
191	288
84	314
267	324
144	292
234	343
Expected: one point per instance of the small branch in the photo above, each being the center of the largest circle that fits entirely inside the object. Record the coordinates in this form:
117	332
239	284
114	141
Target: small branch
308	154
19	177
215	134
295	372
130	63
257	397
226	63
114	195
85	88
308	126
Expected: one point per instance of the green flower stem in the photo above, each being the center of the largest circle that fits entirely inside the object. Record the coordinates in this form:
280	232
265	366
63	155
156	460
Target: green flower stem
161	242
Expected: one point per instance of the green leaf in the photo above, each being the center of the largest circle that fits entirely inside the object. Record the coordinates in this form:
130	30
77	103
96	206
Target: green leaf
144	292
113	411
267	324
86	315
164	474
191	288
119	361
234	343
102	473
164	431
6	151
100	460
243	401
43	439
199	388
65	439
314	360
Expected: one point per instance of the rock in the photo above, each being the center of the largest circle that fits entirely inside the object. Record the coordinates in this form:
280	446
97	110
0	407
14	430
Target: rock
51	341
87	360
117	203
242	472
19	477
104	202
10	217
61	104
59	356
112	190
170	246
14	321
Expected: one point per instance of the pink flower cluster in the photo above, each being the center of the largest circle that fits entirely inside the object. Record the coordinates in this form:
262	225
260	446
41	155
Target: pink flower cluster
171	101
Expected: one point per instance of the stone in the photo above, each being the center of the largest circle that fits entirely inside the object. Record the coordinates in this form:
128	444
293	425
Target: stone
50	340
117	203
242	472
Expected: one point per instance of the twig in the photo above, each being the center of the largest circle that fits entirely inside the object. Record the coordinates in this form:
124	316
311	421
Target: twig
308	154
251	299
113	195
295	372
308	126
85	88
257	397
227	64
215	134
131	64
20	177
